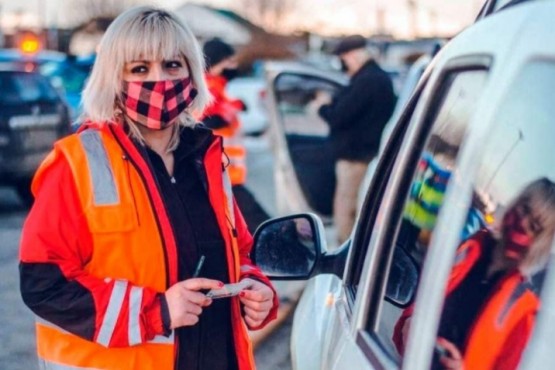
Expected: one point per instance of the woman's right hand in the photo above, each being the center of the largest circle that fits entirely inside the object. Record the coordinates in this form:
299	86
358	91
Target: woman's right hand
185	302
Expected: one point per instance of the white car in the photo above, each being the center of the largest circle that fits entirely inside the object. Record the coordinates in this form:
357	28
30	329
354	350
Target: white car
485	118
251	90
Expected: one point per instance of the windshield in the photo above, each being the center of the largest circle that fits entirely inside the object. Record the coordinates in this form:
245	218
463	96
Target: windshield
69	77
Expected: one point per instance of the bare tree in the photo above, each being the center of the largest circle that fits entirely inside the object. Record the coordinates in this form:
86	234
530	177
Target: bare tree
84	10
269	14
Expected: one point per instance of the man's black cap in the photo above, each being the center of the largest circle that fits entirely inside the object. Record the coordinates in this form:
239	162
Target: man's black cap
350	43
216	50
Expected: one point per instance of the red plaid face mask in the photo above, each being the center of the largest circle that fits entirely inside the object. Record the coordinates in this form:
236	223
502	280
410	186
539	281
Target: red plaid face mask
156	104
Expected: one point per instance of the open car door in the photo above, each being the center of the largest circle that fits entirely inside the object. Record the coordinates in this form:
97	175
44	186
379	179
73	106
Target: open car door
304	167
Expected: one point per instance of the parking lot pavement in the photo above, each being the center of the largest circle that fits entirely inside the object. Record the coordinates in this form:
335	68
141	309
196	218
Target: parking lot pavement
275	354
17	349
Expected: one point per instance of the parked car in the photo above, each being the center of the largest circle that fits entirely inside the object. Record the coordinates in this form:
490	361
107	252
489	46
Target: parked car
32	117
29	61
482	121
70	76
251	90
67	73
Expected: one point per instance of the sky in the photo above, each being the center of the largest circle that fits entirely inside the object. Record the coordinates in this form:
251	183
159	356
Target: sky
445	17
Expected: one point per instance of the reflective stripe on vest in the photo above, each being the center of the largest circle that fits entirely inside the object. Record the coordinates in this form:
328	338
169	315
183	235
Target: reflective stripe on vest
104	186
236	155
135	299
158	339
112	312
517	293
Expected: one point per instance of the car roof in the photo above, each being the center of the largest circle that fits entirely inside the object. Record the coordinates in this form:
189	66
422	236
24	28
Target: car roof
491	6
8	55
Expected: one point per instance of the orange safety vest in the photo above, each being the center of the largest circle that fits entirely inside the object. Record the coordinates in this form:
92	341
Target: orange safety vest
134	245
228	109
501	331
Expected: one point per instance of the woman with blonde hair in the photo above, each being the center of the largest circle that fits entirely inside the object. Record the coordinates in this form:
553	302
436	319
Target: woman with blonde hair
493	291
134	220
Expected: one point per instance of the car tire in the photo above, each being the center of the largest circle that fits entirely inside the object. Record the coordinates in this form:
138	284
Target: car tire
23	189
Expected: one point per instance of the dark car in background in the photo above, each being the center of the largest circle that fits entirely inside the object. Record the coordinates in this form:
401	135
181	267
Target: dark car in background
67	73
33	116
69	77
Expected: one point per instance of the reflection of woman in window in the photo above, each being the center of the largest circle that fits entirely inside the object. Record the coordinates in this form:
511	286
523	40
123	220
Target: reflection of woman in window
493	291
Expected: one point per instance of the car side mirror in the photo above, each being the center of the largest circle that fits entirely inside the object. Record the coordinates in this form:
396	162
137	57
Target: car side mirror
403	279
288	248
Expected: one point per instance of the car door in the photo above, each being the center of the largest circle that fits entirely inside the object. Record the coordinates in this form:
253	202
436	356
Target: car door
304	167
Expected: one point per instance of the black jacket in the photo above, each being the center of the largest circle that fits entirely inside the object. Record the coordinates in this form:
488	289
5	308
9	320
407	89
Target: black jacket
359	112
208	345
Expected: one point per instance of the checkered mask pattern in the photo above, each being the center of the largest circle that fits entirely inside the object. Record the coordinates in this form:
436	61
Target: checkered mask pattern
156	104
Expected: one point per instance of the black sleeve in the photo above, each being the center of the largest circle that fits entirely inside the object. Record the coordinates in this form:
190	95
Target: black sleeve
352	101
215	122
166	320
49	294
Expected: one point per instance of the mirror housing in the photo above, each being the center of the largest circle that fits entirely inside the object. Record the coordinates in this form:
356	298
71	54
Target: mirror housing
289	248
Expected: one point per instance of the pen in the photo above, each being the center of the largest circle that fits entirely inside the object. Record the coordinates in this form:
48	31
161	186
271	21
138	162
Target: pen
199	266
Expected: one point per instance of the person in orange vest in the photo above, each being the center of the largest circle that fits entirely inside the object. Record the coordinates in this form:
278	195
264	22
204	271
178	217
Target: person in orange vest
493	291
222	116
134	220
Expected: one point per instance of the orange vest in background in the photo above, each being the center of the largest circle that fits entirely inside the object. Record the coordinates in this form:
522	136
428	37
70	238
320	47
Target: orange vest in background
228	109
132	241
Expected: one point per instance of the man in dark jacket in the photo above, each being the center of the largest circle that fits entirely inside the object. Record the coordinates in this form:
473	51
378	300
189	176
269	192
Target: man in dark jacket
356	116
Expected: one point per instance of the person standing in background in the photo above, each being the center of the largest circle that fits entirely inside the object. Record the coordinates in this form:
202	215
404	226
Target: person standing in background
222	116
356	116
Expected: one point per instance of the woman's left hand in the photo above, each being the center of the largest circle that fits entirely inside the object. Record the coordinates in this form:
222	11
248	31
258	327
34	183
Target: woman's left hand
258	300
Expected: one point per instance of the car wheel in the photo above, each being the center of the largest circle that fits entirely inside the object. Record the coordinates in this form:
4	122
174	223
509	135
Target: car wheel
23	189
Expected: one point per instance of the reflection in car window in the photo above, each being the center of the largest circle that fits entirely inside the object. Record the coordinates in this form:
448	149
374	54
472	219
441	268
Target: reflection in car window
499	268
448	118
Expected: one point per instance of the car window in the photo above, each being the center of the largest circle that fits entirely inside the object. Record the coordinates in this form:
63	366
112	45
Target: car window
447	119
20	87
64	75
494	290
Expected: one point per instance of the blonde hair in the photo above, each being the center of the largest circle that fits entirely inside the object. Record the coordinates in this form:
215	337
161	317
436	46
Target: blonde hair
142	33
540	196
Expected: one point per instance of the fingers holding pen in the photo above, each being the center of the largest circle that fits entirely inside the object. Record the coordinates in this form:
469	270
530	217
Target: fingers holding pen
185	302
